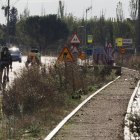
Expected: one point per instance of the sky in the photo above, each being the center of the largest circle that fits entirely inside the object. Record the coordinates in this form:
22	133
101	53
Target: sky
76	7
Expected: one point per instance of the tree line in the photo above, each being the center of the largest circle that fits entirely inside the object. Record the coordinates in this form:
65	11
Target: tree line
51	32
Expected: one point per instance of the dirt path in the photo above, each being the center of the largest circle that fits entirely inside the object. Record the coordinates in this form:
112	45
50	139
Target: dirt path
102	118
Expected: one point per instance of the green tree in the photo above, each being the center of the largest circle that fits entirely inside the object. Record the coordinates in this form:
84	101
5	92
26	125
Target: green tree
42	31
25	14
12	23
72	23
2	35
99	31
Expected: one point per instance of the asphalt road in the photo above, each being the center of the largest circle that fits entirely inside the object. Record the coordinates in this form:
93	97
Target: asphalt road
18	66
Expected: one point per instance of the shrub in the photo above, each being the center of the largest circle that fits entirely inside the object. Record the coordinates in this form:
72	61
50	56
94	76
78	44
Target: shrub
43	93
135	124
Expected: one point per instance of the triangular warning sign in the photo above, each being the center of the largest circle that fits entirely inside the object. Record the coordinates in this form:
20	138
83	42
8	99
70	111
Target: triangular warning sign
75	50
65	55
75	39
82	56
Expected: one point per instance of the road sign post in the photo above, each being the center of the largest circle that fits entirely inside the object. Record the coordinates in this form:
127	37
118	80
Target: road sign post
75	41
122	51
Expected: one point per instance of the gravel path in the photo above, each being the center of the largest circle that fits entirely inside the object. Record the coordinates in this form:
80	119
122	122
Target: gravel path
102	118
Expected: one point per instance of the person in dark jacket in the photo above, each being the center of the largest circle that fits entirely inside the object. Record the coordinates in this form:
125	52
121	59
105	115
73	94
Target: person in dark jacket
5	61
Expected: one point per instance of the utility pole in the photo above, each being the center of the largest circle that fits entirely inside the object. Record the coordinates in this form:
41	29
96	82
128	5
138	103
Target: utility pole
138	30
90	8
8	10
7	15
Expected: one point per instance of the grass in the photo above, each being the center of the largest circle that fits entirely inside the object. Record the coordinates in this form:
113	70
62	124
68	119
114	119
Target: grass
40	97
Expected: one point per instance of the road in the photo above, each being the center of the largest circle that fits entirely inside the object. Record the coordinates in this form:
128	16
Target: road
18	66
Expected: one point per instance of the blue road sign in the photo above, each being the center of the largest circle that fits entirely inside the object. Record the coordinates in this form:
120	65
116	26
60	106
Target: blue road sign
89	52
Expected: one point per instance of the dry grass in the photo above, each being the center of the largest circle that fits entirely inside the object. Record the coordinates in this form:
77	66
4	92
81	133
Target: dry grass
131	61
40	97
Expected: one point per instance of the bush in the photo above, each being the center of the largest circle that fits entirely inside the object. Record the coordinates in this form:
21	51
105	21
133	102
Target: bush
30	91
41	94
135	124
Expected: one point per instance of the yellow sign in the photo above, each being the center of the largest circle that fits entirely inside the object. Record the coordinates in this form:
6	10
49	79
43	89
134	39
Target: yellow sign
65	55
82	56
119	42
90	39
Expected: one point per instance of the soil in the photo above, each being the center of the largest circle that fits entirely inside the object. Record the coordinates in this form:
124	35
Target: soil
102	118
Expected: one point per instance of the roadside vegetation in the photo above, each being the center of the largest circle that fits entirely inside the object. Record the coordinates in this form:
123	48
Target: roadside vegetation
134	125
50	32
40	97
37	96
133	62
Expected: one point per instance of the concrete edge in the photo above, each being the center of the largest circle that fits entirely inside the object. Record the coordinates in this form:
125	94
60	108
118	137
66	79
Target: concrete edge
59	126
128	69
126	121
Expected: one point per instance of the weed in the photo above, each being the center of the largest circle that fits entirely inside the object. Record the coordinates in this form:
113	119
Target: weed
134	124
41	94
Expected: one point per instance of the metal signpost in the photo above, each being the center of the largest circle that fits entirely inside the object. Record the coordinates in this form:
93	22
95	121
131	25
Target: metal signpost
75	41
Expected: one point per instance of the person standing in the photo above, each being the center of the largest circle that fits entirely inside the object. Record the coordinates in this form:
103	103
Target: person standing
5	61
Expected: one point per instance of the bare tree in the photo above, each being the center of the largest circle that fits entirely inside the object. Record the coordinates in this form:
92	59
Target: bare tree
133	4
25	14
61	9
119	11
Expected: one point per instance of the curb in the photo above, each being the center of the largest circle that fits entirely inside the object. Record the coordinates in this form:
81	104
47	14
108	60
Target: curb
128	69
60	125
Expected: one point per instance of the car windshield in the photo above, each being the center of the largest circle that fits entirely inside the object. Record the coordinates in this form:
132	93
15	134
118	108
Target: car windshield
14	50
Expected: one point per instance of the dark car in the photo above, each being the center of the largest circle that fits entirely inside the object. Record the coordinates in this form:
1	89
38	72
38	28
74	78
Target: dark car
16	54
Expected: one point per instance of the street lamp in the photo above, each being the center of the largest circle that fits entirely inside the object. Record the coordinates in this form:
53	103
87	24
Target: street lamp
90	8
87	10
